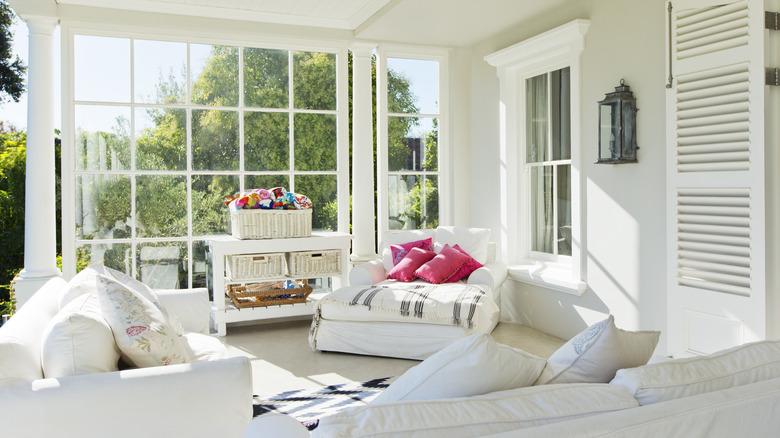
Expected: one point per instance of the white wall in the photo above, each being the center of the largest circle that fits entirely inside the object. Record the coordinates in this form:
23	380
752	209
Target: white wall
625	233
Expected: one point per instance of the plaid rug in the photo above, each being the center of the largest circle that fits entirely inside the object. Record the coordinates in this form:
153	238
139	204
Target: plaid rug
309	405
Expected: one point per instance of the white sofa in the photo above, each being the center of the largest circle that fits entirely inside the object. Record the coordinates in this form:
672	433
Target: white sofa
202	399
731	393
354	329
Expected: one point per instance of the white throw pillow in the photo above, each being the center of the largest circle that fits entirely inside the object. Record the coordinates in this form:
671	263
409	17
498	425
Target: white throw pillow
680	378
142	333
470	366
472	240
78	340
481	415
398	237
85	282
597	353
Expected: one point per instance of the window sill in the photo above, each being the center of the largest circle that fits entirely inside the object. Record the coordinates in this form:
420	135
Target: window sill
548	275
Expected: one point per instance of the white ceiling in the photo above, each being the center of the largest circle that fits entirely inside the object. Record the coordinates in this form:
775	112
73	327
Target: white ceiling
434	22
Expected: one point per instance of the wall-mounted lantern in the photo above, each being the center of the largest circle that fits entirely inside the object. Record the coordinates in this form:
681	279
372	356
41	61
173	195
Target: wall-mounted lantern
617	127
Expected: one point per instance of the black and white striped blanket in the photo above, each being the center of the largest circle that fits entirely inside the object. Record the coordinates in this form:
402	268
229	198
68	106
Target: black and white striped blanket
450	303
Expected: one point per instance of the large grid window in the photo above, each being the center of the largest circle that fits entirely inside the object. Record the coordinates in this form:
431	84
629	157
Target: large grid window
548	162
164	130
412	154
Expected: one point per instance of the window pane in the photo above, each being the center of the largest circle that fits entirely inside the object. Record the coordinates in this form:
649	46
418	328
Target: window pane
160	71
101	67
200	265
102	137
266	78
214	140
265	181
161	206
412	143
564	210
208	192
102	207
561	112
413	202
322	190
162	265
266	141
315	142
314	80
542	232
536	118
113	255
161	139
412	86
214	75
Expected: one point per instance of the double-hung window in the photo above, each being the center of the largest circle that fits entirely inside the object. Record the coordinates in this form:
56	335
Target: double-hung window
540	175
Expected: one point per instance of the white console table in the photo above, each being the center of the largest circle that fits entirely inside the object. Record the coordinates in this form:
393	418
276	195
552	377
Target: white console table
222	309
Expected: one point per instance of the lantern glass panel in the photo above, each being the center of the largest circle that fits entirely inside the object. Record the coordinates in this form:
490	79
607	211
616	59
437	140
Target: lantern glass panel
608	137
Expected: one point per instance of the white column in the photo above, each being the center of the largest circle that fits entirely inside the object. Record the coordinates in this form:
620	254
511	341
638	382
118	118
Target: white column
363	226
39	219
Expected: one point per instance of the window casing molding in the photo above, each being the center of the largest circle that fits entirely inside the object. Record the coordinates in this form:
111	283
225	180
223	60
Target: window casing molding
443	173
553	50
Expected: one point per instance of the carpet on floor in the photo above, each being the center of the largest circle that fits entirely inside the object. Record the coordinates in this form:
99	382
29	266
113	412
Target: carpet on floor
309	405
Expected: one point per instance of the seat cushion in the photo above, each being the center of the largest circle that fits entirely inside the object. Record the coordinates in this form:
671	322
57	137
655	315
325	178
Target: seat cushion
477	416
78	340
470	366
680	378
203	347
595	355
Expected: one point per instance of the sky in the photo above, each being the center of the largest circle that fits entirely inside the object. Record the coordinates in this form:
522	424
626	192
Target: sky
424	74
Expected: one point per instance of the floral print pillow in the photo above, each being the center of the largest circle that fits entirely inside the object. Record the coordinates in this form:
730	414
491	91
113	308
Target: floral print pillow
141	331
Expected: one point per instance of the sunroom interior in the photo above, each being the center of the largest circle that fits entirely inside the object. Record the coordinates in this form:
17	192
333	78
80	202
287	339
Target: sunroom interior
403	114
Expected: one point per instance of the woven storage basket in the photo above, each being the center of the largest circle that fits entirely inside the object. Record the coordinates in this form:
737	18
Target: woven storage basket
255	266
262	295
270	224
313	263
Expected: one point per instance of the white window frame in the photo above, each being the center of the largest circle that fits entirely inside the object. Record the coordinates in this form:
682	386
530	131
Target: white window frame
241	41
553	50
443	173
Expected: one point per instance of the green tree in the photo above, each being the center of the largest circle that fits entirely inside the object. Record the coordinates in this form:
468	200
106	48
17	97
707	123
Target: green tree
12	170
12	69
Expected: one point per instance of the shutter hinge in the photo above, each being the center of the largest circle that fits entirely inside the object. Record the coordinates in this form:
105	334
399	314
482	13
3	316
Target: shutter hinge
773	76
772	20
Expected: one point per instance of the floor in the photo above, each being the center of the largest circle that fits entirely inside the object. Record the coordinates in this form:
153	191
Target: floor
282	359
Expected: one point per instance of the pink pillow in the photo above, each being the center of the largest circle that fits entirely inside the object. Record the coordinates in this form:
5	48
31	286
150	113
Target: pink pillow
465	270
404	270
442	267
400	251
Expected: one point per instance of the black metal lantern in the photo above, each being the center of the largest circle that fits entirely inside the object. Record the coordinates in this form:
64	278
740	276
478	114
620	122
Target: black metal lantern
617	127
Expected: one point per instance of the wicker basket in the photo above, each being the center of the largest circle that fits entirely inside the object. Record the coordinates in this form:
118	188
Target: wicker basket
263	295
254	266
306	264
270	224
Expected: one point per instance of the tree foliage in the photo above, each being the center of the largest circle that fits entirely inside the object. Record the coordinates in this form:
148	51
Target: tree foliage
12	70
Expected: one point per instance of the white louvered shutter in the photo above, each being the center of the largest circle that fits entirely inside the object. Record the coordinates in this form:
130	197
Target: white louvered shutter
715	175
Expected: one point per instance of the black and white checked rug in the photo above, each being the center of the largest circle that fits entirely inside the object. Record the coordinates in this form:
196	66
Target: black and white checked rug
309	405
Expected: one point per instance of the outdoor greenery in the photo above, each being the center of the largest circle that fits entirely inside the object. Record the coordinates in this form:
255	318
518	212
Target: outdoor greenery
12	69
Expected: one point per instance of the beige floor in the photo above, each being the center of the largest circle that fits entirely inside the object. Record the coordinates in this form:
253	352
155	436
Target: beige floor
282	360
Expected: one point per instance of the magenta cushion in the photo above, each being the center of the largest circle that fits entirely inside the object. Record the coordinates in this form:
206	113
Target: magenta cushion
467	268
442	267
405	269
400	251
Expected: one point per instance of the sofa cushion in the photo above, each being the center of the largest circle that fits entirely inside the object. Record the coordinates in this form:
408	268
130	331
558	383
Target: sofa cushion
597	353
443	267
405	269
78	340
477	416
679	378
469	366
400	250
472	240
470	266
203	348
142	333
399	237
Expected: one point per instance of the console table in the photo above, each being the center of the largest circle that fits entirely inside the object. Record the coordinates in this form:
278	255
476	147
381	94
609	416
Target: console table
222	309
